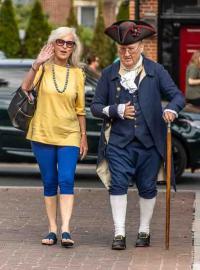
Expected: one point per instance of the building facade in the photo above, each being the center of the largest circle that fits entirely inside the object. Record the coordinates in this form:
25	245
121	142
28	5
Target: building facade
178	32
86	11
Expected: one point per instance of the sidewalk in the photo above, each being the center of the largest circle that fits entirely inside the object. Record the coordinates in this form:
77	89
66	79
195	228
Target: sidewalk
23	224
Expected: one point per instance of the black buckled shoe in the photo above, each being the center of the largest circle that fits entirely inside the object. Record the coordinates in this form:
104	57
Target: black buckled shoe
119	242
143	240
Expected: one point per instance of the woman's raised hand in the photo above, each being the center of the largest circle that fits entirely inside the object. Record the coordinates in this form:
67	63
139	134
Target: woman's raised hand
45	54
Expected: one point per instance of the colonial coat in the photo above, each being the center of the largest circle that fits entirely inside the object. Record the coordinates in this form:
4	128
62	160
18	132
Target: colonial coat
155	83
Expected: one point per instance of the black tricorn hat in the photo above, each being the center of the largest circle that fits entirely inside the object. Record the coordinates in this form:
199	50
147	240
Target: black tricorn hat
129	31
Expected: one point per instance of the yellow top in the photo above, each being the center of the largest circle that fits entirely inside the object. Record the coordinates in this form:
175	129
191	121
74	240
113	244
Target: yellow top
55	120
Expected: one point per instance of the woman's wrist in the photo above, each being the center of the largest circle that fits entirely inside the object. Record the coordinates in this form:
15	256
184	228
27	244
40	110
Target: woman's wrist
35	66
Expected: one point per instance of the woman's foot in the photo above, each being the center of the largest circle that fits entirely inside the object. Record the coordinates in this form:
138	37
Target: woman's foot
66	240
50	239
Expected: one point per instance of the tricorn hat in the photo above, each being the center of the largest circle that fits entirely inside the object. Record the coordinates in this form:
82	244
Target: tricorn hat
129	31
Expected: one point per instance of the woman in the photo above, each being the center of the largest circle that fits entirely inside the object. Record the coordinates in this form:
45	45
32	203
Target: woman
58	129
193	79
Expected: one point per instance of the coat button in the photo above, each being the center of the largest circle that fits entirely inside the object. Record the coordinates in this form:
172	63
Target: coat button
135	126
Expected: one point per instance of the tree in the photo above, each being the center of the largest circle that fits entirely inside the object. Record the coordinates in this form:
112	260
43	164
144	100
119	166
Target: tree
86	38
9	33
123	13
72	21
37	31
102	45
23	12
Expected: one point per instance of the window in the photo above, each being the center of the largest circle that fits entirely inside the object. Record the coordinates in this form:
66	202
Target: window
86	12
88	16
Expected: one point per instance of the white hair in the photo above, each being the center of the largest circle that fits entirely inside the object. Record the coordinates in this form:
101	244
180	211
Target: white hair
61	32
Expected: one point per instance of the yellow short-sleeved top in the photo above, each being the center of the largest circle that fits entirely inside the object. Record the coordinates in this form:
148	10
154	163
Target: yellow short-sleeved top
55	120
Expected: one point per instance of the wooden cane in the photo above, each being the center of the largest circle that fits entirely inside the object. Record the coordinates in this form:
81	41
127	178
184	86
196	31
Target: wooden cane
168	184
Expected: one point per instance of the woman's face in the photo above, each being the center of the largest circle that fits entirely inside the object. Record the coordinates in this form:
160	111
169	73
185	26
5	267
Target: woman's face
63	47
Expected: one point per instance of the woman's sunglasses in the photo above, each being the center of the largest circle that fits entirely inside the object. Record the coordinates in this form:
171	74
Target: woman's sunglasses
69	44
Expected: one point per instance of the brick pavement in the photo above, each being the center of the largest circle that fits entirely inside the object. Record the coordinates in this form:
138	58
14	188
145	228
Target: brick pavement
23	224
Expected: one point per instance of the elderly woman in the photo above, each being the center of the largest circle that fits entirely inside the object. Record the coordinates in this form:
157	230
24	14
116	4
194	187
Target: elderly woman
58	130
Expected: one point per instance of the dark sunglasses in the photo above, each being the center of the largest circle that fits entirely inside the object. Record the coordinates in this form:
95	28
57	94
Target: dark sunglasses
61	42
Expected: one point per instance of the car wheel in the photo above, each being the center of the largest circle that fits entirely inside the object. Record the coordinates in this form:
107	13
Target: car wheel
179	157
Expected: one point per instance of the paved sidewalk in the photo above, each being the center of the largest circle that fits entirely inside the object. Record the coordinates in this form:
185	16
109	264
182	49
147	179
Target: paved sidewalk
23	223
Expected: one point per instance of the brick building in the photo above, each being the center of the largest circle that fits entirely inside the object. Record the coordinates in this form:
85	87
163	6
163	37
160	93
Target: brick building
178	32
86	10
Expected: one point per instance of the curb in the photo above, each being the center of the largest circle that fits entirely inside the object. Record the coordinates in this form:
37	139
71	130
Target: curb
196	233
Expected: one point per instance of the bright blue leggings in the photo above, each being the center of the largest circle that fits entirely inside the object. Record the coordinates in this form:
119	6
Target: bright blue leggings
57	167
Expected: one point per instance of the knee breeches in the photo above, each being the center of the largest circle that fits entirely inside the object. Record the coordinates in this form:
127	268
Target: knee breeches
133	163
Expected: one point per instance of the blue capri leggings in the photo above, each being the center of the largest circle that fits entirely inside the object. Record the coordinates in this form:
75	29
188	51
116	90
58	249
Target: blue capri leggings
57	167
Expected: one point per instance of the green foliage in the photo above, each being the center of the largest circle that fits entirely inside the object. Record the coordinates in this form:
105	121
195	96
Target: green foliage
9	33
123	13
72	21
102	46
86	38
37	31
23	13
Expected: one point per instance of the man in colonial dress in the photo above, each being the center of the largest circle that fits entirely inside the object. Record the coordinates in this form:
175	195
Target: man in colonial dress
132	144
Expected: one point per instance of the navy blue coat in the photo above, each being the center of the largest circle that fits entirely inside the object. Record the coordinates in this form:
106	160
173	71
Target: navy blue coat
154	85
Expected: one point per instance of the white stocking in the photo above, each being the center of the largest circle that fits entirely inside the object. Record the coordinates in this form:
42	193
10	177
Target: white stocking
118	206
146	212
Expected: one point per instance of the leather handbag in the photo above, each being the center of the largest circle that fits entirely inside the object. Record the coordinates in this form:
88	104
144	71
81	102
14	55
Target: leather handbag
22	106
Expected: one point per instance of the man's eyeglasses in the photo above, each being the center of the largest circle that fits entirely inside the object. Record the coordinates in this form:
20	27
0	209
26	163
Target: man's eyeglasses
129	49
68	43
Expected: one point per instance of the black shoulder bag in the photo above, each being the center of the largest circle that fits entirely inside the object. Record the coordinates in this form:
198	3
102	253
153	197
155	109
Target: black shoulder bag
22	106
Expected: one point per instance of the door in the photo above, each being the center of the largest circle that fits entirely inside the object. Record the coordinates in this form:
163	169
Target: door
189	43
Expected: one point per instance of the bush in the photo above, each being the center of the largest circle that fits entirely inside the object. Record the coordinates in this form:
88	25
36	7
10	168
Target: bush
37	31
102	46
9	32
123	13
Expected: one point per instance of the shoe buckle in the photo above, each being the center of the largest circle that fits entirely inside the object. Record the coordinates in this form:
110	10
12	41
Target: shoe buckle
143	236
119	237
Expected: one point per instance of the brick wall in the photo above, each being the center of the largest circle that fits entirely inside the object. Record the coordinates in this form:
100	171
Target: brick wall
109	13
148	13
56	10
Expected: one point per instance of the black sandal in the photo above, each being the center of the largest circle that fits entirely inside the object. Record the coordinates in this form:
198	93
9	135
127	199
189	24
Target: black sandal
50	236
68	240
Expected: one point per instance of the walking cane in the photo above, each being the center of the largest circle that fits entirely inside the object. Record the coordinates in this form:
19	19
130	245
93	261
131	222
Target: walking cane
168	184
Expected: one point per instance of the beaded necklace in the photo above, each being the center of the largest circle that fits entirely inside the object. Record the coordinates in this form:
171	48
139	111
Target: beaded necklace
66	79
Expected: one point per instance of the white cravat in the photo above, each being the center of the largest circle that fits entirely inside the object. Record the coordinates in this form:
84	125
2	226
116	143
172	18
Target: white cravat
129	75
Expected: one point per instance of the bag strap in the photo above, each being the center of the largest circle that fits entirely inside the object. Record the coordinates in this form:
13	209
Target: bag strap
37	85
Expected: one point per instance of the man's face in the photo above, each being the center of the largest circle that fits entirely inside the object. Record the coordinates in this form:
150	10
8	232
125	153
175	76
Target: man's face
130	54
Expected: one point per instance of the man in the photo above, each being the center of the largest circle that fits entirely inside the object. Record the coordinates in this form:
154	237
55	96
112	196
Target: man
132	143
92	68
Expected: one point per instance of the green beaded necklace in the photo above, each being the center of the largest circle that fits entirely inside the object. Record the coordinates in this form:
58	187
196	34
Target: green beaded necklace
66	79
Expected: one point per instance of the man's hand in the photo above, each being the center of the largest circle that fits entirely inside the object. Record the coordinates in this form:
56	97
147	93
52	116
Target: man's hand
169	116
129	111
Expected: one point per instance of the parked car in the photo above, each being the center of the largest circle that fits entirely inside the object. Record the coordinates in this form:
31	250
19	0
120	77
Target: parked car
14	146
2	55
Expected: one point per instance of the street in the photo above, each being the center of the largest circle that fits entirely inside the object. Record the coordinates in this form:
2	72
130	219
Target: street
23	224
28	175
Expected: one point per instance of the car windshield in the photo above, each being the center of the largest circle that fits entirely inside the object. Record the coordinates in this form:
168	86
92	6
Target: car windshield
11	79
